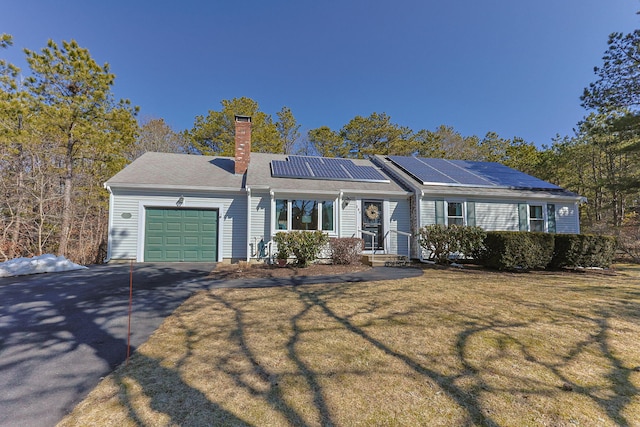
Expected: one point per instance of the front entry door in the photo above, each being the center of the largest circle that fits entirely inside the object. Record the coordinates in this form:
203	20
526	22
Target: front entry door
372	221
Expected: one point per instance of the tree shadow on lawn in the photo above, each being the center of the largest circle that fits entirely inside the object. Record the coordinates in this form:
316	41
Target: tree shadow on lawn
168	394
465	386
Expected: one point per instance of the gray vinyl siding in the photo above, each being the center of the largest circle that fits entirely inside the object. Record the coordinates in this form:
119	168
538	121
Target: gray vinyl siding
567	218
123	236
260	220
497	216
399	220
350	219
427	212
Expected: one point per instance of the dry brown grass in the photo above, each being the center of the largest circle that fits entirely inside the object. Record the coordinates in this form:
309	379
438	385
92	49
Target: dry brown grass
448	348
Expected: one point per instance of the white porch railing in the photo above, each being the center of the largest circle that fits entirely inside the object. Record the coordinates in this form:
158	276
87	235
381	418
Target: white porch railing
404	233
373	243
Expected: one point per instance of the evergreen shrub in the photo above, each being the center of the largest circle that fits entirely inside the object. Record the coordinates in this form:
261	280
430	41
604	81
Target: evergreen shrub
442	242
583	250
517	250
304	245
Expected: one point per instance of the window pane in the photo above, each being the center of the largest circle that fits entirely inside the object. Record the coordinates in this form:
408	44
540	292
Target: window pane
535	212
454	213
454	209
327	216
304	215
281	214
536	225
456	221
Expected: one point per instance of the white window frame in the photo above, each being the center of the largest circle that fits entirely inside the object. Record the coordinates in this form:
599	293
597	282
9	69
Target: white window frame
543	207
319	207
464	211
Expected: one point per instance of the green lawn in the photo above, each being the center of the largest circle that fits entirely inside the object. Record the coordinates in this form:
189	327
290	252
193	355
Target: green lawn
453	347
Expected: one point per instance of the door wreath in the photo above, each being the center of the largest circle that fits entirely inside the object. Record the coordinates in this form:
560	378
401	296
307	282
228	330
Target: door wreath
372	212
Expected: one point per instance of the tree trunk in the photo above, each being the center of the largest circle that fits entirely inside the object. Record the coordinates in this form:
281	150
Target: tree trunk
65	227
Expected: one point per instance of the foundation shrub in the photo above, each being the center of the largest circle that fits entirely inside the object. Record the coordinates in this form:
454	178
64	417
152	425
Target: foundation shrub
583	250
443	242
517	250
346	250
304	245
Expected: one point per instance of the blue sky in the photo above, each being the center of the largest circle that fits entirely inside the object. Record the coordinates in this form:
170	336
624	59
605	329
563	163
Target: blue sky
513	67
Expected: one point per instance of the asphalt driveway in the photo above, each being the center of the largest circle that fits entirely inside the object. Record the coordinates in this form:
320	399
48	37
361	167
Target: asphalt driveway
60	333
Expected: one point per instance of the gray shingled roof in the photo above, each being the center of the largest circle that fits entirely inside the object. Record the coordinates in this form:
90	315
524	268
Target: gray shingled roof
167	170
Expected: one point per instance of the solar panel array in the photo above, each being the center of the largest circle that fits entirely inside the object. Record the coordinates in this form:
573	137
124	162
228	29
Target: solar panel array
468	173
325	168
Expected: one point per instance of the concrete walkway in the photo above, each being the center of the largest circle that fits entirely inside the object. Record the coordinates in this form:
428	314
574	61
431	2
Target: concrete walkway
60	333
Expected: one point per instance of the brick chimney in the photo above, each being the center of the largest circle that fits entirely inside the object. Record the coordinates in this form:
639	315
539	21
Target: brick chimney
243	143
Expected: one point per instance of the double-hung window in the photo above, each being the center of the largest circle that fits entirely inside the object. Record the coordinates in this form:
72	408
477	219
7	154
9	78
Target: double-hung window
302	214
455	213
536	218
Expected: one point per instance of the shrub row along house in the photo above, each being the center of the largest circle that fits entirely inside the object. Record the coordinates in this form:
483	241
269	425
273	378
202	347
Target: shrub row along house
179	207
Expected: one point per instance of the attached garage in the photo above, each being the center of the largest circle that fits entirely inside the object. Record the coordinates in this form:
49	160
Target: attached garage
180	234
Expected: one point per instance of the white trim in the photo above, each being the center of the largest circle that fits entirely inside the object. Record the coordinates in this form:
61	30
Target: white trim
386	226
248	242
446	209
545	223
143	204
110	224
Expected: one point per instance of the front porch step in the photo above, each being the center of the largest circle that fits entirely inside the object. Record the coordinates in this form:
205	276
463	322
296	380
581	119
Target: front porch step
386	260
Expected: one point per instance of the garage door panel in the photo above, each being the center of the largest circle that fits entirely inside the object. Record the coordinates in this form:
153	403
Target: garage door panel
208	241
173	240
173	226
192	227
192	241
180	235
209	254
208	227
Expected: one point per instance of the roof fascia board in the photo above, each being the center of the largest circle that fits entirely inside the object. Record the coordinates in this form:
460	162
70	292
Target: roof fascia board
343	191
197	188
511	195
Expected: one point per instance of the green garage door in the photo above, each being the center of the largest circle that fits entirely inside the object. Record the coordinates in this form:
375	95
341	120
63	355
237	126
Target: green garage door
181	235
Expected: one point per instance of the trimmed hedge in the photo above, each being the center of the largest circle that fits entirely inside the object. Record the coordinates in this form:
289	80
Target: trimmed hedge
442	241
583	250
515	250
304	245
346	250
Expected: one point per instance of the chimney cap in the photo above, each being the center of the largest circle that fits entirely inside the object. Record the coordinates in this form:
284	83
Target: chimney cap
240	118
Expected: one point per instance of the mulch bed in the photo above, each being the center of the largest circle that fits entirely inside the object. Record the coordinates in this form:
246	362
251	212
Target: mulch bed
257	271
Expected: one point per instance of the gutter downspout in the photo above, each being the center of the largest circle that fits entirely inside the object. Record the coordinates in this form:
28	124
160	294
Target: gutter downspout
248	240
340	196
110	223
419	197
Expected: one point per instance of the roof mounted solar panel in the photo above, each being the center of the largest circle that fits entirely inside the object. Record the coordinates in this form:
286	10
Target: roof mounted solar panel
325	168
421	171
365	173
290	170
467	173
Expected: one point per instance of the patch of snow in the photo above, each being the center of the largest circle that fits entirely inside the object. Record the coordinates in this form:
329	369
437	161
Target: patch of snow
46	263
